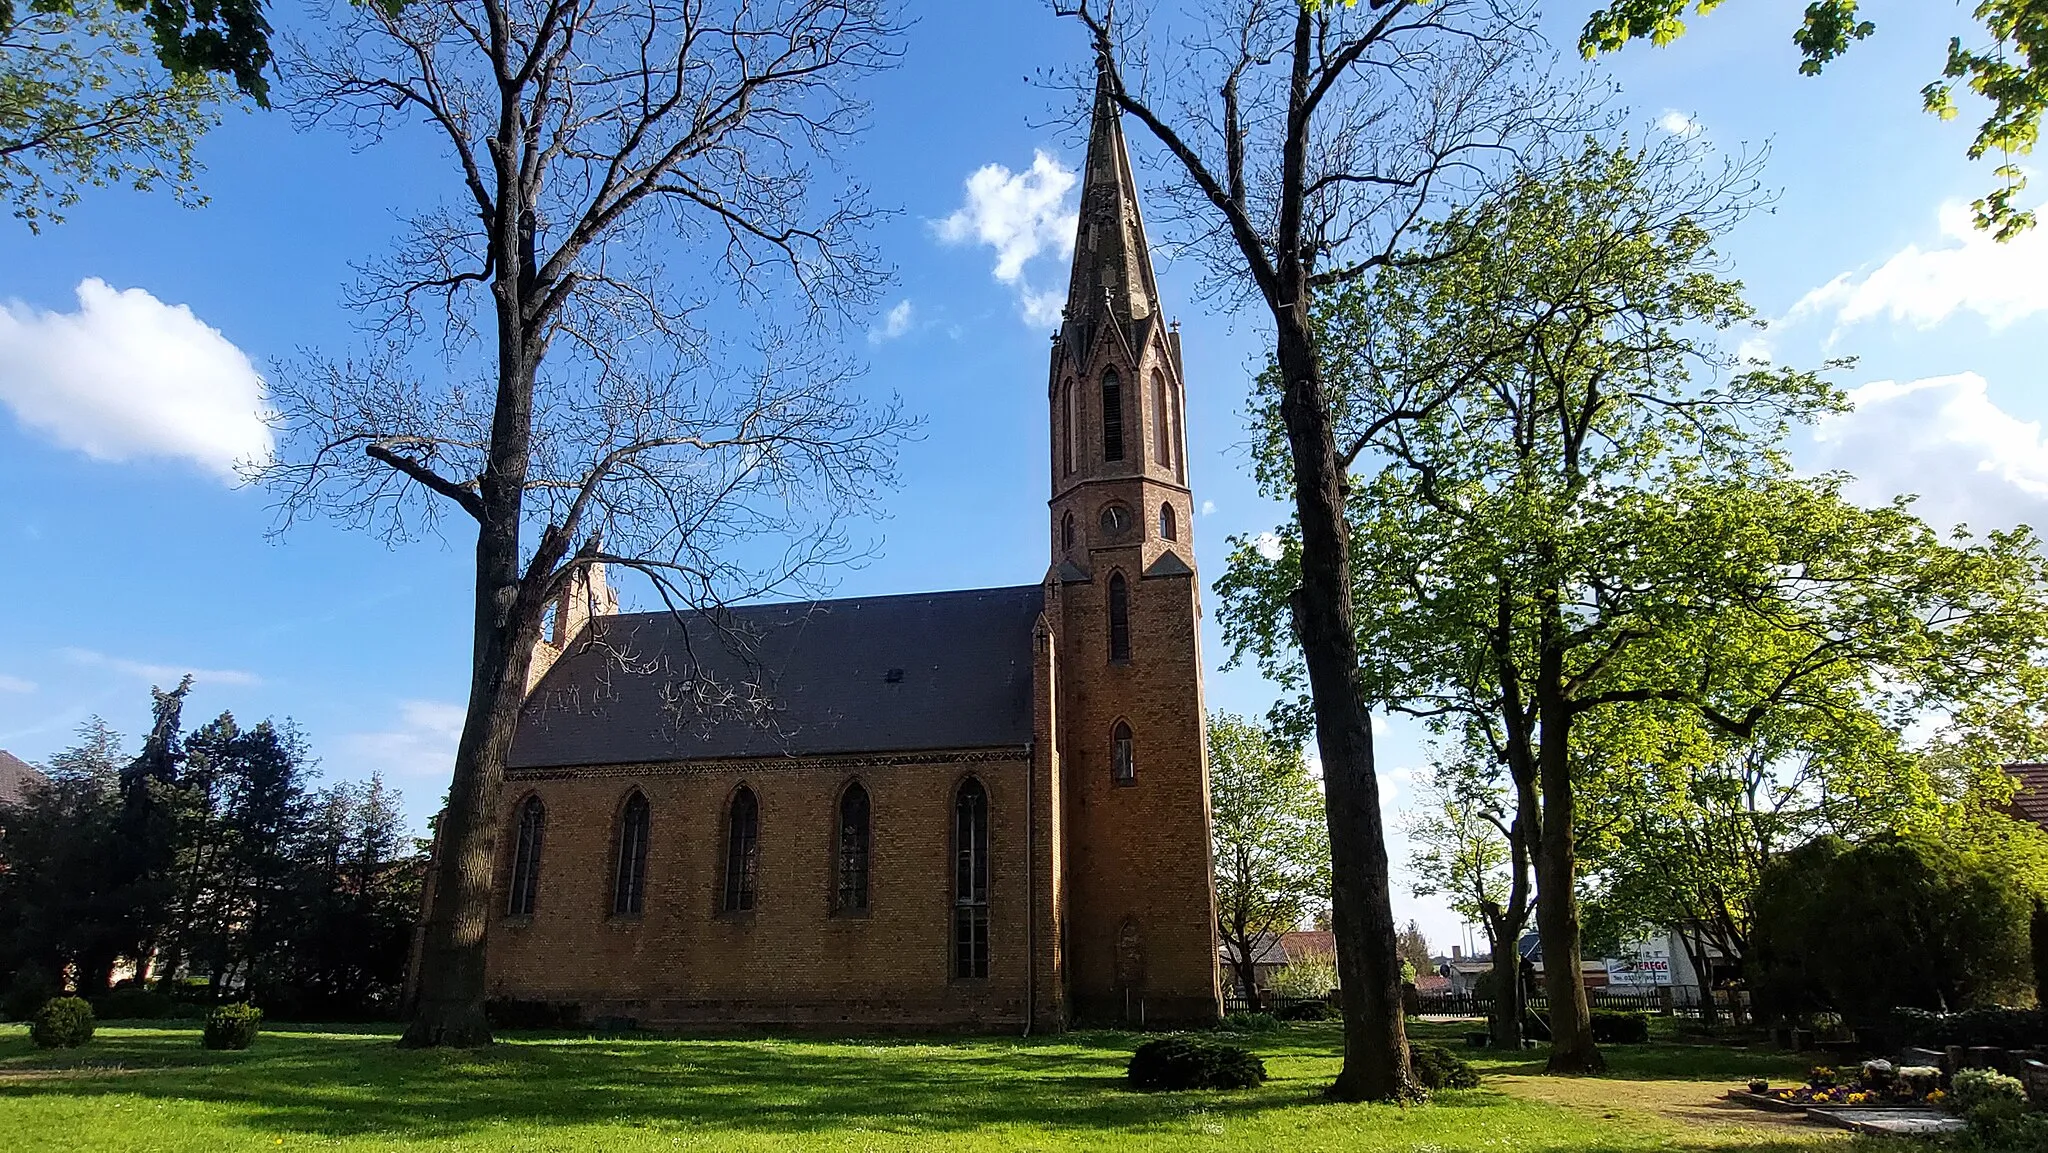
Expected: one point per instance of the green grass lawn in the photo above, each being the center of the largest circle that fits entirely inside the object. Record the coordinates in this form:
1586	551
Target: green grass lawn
149	1088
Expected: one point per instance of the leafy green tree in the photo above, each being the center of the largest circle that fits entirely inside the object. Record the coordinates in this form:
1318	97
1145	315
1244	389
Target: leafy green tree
1413	949
1469	851
1269	841
1900	920
1595	511
2011	72
57	891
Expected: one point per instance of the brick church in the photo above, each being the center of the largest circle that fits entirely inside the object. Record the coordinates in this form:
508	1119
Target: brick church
977	809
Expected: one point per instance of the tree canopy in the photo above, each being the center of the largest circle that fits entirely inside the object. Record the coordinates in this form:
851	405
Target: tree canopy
1270	842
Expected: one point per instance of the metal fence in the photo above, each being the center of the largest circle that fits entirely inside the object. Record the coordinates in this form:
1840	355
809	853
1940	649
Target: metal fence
1665	1002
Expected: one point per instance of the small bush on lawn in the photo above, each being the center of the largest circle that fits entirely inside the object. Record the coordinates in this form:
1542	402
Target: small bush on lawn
27	992
1615	1027
1250	1023
1970	1088
134	1003
2003	1125
62	1023
1308	1011
1186	1062
232	1027
1439	1068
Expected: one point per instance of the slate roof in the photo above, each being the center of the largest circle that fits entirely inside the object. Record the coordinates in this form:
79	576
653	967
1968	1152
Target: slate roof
922	671
2030	803
15	777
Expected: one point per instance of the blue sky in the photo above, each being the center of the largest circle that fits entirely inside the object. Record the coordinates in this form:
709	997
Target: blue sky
127	557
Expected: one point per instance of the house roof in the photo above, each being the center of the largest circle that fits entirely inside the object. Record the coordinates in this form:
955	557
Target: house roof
921	671
2030	803
16	775
1307	942
1269	952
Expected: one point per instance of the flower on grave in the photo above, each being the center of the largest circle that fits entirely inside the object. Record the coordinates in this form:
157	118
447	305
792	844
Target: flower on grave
1759	1085
1822	1076
1936	1097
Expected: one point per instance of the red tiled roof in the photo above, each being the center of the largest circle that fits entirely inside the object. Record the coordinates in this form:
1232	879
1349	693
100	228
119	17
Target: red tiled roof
2030	803
1299	945
15	777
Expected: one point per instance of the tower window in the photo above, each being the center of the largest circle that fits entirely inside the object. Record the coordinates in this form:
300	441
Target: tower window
1169	525
1162	448
629	878
1123	756
742	851
1068	453
1067	532
526	857
1119	618
970	880
1112	417
852	895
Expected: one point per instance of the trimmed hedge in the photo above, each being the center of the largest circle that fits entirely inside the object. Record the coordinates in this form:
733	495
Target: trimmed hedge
1972	1028
134	1003
518	1013
1309	1011
63	1023
1439	1068
1190	1062
1618	1027
232	1027
1249	1023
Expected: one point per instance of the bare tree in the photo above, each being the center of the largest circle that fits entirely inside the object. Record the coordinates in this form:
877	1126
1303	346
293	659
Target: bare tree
1306	143
539	372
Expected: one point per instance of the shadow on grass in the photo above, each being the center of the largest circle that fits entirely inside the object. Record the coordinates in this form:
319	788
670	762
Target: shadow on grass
349	1082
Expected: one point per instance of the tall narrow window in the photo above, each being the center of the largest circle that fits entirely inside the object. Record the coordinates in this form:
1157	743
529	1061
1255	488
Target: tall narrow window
1067	532
1162	449
970	881
1119	618
533	818
1069	454
629	878
1112	417
1178	436
1123	756
1169	525
853	850
742	851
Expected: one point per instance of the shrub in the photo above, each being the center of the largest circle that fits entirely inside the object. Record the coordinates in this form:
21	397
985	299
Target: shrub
232	1027
1309	975
1994	1027
1250	1023
27	992
1971	1088
2005	1126
1617	1027
62	1023
1188	1062
133	1003
1439	1068
1308	1011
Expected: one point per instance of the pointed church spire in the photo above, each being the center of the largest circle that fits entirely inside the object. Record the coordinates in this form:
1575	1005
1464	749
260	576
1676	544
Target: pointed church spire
1112	261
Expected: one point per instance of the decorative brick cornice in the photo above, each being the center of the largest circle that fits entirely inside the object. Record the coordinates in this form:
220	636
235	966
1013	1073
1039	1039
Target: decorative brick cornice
748	765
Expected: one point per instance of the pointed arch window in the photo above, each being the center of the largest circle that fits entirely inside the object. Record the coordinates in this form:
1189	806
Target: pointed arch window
1162	425
1067	532
1123	756
1112	417
1119	618
852	895
970	880
1178	435
1069	455
1169	524
629	876
742	851
526	844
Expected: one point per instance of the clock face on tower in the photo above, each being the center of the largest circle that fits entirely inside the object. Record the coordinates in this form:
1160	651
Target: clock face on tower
1116	520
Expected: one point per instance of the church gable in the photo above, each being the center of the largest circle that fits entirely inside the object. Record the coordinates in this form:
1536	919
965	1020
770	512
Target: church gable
924	671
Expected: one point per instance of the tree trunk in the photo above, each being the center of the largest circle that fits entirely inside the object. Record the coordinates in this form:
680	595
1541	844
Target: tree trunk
1375	1034
1504	1015
1702	968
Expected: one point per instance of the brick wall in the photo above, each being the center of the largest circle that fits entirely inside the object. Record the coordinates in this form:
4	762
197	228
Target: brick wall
791	961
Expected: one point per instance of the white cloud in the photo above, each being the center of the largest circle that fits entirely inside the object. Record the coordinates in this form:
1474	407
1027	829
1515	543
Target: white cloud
1208	508
1268	545
1945	439
129	376
1021	215
1967	272
15	684
1678	124
160	675
895	323
419	751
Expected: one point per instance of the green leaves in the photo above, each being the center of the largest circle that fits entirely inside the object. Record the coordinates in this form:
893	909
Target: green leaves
2011	73
1271	838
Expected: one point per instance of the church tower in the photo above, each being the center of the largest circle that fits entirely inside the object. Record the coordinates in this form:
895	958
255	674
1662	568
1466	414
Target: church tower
1138	905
